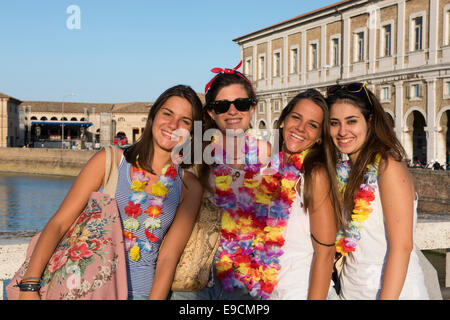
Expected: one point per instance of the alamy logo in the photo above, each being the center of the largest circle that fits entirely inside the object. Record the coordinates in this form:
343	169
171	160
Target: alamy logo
73	22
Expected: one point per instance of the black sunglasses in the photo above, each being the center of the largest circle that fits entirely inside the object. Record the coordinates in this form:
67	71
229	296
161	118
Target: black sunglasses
241	104
355	87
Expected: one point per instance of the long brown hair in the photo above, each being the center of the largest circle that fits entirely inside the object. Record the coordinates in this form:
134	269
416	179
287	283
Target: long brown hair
380	139
143	149
318	155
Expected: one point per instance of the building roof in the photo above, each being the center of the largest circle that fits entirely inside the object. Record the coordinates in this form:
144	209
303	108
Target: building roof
2	95
78	107
302	16
74	107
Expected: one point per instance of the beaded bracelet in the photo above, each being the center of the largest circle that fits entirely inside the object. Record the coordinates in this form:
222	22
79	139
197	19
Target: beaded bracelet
29	284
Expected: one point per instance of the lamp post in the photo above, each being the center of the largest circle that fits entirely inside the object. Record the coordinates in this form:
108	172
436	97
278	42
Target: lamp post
62	116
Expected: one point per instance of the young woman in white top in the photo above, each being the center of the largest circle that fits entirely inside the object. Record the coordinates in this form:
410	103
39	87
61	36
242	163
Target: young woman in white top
308	251
379	201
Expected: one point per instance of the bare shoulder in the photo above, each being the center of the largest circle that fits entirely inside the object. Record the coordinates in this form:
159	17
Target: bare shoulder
320	176
191	183
392	174
391	169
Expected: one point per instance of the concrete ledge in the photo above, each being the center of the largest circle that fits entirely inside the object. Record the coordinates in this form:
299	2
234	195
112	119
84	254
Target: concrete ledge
44	161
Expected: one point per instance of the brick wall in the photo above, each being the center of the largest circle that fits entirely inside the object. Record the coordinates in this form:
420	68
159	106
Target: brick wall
433	188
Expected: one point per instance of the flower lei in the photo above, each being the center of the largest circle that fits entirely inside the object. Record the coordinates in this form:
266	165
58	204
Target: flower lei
253	222
347	239
139	198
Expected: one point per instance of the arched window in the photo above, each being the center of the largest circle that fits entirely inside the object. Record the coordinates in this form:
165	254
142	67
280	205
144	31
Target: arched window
43	118
73	119
54	119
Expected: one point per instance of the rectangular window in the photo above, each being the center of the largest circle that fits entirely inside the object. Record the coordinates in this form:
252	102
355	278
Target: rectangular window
261	107
293	60
261	68
335	44
276	64
415	91
446	88
360	46
248	67
313	56
385	94
448	27
418	27
387	40
276	106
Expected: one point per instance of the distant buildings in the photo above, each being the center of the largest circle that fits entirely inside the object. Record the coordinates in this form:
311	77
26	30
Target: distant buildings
401	48
40	123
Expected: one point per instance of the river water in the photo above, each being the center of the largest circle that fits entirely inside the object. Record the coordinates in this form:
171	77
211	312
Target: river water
27	202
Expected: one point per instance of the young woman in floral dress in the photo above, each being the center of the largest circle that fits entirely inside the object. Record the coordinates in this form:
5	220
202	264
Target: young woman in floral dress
152	198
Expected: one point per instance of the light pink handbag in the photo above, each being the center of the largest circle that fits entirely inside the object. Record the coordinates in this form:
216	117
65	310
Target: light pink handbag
89	262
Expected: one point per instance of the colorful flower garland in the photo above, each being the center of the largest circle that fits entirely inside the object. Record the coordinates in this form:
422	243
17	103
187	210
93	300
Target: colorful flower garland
155	201
347	239
253	222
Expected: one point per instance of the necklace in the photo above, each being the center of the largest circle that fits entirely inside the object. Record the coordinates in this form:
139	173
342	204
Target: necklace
252	222
347	238
154	208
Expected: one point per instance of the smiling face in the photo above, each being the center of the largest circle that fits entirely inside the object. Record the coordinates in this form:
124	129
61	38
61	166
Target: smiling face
233	119
302	126
171	123
348	128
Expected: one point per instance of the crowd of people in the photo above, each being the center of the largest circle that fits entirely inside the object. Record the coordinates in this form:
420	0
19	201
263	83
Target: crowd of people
337	190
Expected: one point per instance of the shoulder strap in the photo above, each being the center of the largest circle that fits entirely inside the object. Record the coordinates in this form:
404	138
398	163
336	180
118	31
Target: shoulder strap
111	171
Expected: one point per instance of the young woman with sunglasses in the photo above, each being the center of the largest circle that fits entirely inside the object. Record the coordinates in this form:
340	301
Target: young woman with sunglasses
147	178
236	157
379	201
307	253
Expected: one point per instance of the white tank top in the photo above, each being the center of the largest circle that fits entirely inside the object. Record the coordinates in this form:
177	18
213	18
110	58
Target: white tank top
362	274
298	251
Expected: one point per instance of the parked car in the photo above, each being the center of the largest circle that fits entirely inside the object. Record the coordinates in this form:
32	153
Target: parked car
120	140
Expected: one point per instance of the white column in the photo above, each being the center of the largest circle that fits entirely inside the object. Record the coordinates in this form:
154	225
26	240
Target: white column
431	119
285	62
346	42
372	41
323	53
398	111
269	63
303	58
255	66
433	32
401	35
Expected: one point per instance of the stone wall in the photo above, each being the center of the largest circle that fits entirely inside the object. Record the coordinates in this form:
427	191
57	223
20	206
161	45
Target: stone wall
433	188
43	161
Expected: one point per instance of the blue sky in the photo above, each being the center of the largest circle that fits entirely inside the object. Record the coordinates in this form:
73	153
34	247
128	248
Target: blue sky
125	51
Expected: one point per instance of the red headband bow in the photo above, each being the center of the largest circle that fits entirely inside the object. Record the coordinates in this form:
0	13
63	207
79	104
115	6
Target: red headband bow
231	71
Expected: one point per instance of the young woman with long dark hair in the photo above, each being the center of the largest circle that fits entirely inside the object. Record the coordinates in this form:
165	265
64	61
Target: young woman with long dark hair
155	197
379	202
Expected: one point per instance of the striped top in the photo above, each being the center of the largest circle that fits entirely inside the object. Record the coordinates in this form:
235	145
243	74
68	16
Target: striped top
140	273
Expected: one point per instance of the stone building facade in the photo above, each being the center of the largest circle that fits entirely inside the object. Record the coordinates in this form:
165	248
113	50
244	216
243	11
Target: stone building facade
96	123
9	121
400	48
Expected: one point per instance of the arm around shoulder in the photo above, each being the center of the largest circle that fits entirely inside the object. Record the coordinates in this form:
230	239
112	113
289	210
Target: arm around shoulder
177	236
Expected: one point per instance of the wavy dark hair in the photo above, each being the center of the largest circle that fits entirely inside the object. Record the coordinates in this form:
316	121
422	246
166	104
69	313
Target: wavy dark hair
143	149
380	139
319	154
